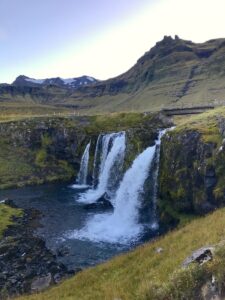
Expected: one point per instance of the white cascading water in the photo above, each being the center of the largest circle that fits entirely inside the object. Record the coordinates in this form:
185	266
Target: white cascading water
83	172
101	152
109	159
97	154
122	225
82	175
155	224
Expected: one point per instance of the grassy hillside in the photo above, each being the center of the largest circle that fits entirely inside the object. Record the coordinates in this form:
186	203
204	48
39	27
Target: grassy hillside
146	274
11	111
174	73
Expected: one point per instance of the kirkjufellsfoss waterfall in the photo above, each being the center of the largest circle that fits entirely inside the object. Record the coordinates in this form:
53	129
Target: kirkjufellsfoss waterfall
81	181
112	151
82	176
123	224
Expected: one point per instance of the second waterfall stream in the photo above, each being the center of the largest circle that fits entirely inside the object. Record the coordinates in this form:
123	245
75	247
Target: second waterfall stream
123	224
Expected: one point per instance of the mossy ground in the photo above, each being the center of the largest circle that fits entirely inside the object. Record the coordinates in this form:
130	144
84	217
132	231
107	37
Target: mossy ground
146	274
27	153
6	214
194	151
117	121
205	123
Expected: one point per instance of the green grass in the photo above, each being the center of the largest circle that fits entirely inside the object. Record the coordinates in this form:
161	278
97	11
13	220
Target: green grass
205	123
6	214
12	111
116	121
145	274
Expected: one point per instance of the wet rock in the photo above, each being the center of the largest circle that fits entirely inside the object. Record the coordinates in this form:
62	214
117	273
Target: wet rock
3	200
57	278
63	251
199	256
103	203
25	263
10	203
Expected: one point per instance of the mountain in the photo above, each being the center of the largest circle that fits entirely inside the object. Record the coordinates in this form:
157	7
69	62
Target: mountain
57	81
175	72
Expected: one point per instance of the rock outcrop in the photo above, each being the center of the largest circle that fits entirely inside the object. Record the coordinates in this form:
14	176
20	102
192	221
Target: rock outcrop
192	168
26	264
39	150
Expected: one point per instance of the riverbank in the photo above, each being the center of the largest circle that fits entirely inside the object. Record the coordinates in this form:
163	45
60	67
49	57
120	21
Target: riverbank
26	264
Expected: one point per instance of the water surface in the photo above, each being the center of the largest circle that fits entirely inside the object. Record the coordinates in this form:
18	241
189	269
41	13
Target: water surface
61	216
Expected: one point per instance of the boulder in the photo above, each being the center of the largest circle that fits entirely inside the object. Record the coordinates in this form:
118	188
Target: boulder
199	256
41	283
159	250
103	203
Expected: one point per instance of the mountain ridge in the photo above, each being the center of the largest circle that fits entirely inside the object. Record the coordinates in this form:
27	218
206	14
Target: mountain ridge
173	73
74	82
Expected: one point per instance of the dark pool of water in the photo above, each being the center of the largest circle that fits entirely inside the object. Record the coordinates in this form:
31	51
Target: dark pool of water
61	214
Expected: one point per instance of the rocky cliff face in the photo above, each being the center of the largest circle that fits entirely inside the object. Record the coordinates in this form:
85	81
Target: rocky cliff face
37	151
49	149
192	169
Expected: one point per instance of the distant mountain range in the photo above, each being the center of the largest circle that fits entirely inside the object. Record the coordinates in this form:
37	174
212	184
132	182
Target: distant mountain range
57	81
174	72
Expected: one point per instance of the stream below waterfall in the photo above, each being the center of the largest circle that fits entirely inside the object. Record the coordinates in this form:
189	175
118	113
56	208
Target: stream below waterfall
61	216
88	224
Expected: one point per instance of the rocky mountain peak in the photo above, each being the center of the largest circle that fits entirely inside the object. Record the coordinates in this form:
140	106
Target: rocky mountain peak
71	83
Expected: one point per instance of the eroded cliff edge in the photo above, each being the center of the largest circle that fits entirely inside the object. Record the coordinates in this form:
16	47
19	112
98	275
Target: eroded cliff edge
192	168
39	150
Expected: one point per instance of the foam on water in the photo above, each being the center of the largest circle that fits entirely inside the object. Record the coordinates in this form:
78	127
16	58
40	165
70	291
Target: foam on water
122	225
109	159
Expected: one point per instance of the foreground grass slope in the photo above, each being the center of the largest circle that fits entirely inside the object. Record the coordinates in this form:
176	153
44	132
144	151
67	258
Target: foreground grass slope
146	274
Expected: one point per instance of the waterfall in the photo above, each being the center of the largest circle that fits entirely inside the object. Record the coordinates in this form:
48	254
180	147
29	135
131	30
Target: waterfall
123	225
154	222
81	181
96	161
101	152
82	175
111	162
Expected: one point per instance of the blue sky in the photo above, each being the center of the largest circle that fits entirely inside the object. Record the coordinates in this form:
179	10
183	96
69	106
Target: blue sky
68	38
